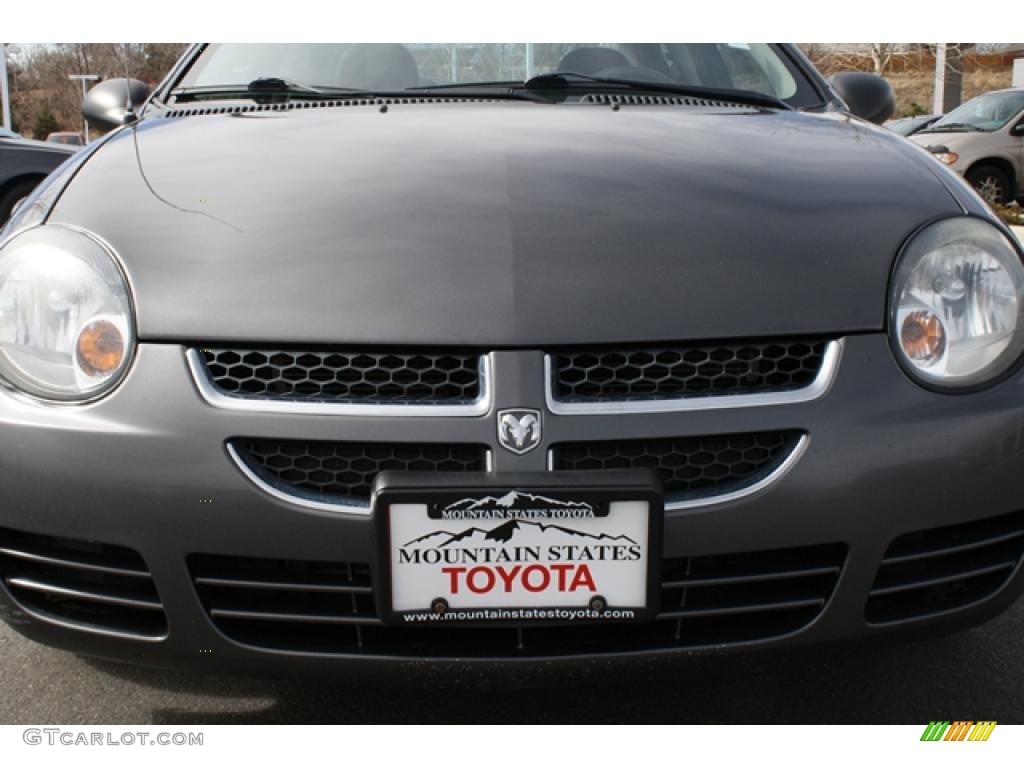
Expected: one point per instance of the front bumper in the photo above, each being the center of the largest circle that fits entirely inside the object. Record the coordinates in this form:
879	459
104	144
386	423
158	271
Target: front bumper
147	469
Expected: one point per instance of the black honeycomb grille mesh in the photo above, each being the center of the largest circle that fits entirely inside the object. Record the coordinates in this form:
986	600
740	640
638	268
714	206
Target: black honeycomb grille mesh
345	472
687	466
344	376
687	370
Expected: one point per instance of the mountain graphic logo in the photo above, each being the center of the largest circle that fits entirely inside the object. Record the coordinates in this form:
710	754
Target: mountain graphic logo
515	500
506	531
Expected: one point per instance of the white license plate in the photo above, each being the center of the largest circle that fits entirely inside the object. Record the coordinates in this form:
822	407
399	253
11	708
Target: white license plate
519	557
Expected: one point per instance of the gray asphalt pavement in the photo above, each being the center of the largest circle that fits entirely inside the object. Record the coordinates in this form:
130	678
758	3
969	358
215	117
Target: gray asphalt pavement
974	675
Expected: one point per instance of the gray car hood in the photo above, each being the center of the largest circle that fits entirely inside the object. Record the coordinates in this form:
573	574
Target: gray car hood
504	223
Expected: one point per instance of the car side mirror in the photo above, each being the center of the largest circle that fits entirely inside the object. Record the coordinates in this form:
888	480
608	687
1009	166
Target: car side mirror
1018	129
106	104
868	96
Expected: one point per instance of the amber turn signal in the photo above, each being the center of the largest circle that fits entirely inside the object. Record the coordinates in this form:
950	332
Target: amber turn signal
922	336
100	348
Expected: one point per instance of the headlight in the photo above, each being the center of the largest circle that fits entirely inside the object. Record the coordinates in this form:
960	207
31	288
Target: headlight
956	303
66	330
947	158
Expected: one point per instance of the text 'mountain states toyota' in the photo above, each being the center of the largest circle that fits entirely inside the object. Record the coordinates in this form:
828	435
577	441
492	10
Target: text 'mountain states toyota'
332	355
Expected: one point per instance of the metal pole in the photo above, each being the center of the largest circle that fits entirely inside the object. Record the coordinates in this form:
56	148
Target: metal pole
939	87
85	123
85	90
949	75
5	93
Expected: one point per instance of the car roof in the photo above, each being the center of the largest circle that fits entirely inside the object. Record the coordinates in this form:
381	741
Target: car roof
35	144
1012	89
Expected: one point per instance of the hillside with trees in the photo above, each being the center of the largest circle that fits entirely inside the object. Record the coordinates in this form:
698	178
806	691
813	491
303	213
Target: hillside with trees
43	99
910	67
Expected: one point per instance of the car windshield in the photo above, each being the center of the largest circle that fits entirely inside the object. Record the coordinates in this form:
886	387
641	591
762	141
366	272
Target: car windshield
988	112
755	67
904	126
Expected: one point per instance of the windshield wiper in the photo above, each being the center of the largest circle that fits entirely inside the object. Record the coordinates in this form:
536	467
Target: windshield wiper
267	86
569	80
948	127
556	80
280	85
271	87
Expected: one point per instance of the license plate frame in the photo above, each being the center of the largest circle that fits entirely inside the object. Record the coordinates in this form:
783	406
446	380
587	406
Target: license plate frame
617	500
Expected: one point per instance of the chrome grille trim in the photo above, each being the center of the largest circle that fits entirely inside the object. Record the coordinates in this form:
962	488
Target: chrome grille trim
363	509
52	579
277	493
212	395
817	388
771	478
95	596
34	557
351	507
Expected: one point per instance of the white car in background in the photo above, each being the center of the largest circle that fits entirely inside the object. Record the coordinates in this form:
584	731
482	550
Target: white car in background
983	140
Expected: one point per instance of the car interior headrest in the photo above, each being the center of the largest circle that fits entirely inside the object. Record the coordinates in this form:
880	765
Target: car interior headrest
378	67
592	60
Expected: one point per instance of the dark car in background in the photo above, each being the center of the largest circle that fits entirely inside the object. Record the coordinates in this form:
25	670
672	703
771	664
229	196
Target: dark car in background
23	164
336	356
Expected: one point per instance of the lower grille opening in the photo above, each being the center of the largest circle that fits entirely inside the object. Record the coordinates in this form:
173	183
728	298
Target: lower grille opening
945	569
87	584
343	473
690	468
265	602
321	607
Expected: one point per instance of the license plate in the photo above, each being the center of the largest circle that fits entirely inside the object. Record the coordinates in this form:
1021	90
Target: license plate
517	553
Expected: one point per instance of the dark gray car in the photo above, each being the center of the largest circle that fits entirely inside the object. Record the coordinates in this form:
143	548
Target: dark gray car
340	355
23	164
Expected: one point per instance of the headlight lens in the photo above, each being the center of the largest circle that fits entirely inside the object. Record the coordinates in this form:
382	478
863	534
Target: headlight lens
956	304
947	158
66	330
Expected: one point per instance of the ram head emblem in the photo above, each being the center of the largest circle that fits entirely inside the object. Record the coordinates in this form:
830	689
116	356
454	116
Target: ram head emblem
519	429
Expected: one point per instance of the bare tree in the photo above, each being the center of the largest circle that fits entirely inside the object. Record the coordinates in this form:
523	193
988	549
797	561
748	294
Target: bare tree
41	74
877	58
